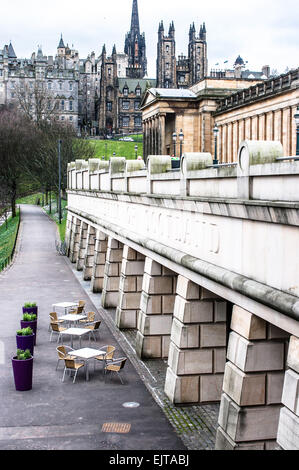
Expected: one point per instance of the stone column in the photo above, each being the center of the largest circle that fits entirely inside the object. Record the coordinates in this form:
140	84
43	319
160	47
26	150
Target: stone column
99	261
69	223
197	345
81	246
74	239
252	385
89	253
130	287
110	293
288	428
156	310
162	150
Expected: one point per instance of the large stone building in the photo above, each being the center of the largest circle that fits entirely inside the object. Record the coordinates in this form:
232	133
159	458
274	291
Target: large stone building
242	108
58	77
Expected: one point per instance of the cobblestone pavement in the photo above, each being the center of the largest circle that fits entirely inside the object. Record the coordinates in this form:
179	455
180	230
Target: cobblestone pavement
195	425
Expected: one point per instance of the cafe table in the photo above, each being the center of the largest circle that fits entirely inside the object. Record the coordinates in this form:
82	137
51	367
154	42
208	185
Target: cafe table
65	306
78	332
86	354
72	318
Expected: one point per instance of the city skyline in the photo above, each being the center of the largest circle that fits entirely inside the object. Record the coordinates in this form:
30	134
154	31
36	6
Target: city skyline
267	37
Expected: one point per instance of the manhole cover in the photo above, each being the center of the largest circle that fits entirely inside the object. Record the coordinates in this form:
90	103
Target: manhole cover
121	428
131	404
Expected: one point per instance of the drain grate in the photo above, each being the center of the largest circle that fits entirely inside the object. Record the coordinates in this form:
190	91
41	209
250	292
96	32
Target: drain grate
121	428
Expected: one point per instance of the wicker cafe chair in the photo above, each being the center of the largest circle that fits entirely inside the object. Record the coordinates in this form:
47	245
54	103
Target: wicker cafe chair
116	365
108	356
79	309
63	353
54	319
94	328
72	366
56	329
90	318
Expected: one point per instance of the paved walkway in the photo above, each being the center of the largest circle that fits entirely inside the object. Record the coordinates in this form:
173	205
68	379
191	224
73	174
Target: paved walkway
56	415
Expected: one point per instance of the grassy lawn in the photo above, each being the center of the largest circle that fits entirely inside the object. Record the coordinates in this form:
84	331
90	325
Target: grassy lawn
55	216
31	199
106	148
7	238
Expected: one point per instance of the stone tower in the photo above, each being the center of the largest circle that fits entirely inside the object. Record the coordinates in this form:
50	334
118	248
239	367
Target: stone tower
197	54
187	70
166	59
135	47
108	90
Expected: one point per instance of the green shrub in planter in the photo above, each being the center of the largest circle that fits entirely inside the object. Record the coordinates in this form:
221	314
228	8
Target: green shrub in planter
30	307
22	365
25	339
29	317
25	331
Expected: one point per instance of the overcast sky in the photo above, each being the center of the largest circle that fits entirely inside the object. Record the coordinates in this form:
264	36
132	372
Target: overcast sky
263	32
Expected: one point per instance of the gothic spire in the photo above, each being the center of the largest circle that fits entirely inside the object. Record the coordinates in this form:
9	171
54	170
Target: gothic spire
135	19
61	43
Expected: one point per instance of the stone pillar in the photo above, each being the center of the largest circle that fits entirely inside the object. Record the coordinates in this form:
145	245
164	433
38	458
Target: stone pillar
99	261
130	287
74	239
252	385
197	345
156	310
110	293
288	428
89	253
81	246
69	223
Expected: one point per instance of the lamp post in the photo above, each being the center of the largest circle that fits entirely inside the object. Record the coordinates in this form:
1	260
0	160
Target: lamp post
296	117
181	139
59	181
215	131
174	136
136	150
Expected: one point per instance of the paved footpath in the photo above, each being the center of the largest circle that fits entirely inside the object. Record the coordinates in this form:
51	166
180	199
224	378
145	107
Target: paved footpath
56	415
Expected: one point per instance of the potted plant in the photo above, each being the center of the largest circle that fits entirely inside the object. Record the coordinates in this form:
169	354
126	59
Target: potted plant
25	339
30	308
30	320
22	365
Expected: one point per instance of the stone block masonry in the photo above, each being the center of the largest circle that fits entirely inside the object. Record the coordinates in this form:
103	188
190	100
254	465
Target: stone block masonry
130	287
74	239
110	293
99	261
288	428
197	345
89	253
82	245
156	310
253	384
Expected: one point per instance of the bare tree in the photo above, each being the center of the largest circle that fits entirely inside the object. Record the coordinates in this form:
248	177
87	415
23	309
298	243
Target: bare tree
36	101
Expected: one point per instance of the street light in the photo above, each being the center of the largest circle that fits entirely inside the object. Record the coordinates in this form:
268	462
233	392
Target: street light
136	150
174	137
181	138
296	117
215	131
59	181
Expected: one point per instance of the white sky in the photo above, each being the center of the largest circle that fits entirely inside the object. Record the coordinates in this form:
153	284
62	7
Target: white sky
261	31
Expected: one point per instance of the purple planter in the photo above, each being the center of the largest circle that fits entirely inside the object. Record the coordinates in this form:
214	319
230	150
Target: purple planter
26	342
32	325
30	310
22	371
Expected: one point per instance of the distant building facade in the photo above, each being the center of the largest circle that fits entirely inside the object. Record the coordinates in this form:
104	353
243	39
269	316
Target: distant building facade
58	77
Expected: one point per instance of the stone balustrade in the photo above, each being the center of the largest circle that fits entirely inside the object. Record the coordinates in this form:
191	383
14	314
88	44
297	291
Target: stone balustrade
260	174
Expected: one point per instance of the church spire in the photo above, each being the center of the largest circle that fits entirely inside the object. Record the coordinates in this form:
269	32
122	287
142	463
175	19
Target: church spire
135	29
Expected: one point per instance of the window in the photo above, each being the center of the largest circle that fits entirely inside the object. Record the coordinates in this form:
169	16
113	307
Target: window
182	78
167	84
1	73
137	121
138	92
71	86
167	49
126	121
71	118
62	105
71	105
60	85
167	65
12	94
126	91
109	72
198	67
49	85
109	106
136	104
126	104
62	118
